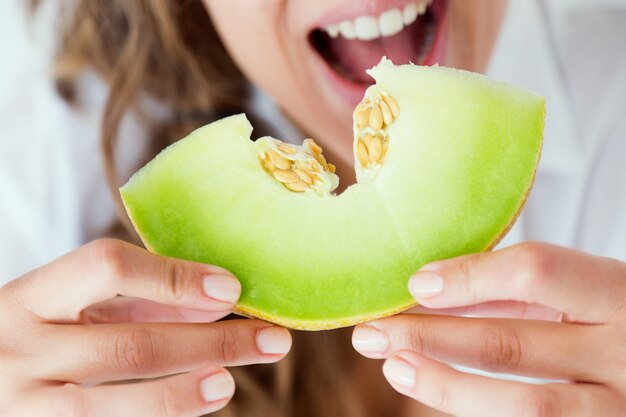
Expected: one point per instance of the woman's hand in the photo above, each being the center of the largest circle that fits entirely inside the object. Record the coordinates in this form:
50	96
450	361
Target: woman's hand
580	339
63	330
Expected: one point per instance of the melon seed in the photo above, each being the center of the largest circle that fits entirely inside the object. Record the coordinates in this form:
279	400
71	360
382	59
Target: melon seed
322	161
304	176
285	176
375	149
313	146
287	149
315	166
385	146
393	104
376	118
387	116
361	116
278	160
361	152
298	186
267	164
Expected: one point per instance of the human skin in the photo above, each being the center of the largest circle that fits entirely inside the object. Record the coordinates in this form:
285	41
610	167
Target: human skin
269	41
63	328
546	312
549	312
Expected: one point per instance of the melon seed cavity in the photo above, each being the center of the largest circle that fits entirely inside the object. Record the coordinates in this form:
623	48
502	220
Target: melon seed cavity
303	169
372	117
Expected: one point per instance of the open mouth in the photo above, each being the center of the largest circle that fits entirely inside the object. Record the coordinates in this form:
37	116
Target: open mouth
410	32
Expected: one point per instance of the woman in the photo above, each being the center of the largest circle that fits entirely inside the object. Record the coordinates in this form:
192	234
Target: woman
166	62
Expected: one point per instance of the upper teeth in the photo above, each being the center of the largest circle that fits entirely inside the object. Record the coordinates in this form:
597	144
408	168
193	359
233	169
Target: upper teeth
389	23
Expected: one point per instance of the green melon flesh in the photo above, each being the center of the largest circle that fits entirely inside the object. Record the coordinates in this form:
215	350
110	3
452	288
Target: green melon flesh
460	164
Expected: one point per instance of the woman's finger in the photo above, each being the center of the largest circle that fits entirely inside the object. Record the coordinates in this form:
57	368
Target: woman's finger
138	310
523	347
465	395
103	352
564	279
106	268
496	309
186	395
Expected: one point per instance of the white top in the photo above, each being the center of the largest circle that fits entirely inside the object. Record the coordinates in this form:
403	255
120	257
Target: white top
53	195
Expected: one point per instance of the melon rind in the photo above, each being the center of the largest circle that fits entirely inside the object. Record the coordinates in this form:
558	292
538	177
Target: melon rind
460	165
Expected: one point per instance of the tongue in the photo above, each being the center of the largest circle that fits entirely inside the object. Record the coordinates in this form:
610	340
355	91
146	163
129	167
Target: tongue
353	57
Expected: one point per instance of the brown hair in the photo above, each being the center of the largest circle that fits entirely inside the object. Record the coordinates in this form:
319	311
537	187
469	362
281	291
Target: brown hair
169	50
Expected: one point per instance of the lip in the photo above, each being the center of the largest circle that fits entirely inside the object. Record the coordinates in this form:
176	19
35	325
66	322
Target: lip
352	93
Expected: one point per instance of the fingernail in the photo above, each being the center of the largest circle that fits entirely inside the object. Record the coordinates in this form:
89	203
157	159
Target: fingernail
369	339
399	372
219	386
426	284
222	288
273	340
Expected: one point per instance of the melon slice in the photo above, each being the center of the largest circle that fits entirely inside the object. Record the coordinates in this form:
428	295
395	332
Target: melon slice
445	160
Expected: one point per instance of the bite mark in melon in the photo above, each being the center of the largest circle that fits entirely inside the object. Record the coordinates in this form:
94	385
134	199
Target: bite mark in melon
444	159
